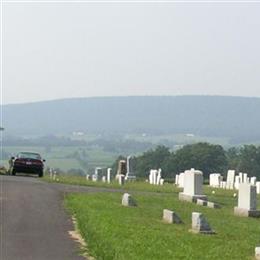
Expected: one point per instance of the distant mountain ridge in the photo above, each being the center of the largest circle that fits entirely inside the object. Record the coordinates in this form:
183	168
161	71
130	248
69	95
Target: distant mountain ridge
214	116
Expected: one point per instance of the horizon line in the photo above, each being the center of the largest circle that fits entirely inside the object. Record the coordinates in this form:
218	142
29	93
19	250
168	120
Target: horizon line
125	96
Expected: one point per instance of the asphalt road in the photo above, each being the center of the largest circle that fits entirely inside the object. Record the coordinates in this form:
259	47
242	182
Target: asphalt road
34	223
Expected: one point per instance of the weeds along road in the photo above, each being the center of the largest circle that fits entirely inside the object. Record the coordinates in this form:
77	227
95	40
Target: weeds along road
34	223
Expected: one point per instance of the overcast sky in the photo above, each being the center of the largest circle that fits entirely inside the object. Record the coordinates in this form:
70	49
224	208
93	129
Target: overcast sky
54	51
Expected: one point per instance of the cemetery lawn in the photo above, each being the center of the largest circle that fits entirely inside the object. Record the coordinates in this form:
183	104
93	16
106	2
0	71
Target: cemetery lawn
112	231
129	186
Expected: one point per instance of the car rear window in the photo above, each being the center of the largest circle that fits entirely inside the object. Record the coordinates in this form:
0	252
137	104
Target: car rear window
29	155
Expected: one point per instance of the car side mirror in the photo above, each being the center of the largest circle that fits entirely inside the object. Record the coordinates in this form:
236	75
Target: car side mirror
44	160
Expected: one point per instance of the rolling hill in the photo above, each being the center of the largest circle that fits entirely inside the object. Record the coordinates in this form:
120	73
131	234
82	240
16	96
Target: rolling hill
236	118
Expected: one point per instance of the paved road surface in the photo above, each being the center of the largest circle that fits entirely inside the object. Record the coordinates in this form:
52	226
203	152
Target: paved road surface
34	224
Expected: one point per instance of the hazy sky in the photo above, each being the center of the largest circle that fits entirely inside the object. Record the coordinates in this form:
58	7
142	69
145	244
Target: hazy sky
73	50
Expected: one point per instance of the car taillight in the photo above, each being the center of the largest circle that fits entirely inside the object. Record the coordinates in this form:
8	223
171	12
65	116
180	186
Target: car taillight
20	161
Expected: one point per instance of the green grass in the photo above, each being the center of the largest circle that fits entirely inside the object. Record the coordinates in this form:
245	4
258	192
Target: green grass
116	232
137	186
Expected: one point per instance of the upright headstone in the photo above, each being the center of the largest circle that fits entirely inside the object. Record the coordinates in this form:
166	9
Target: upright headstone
128	201
237	182
215	179
193	184
240	177
200	224
258	187
87	177
171	217
230	179
176	179
257	253
181	180
104	179
98	173
153	176
121	170
94	178
247	201
245	178
253	180
130	175
159	176
121	179
109	171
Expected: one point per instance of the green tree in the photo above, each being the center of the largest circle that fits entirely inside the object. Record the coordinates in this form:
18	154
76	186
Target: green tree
152	159
206	157
250	160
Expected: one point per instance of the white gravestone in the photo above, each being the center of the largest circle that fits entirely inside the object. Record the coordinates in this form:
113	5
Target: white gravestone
223	184
253	180
176	179
244	177
193	184
98	173
94	177
121	179
161	182
258	187
200	224
128	201
159	176
237	182
215	179
171	217
247	201
109	171
230	179
257	253
153	177
104	179
181	180
240	177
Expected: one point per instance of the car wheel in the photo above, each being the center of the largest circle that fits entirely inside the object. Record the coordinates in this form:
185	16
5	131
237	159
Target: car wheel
40	174
13	172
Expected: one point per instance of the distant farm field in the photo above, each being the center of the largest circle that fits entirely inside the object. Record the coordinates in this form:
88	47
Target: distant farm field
64	158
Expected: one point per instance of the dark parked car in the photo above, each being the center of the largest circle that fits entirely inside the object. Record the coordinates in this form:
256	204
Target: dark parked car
27	162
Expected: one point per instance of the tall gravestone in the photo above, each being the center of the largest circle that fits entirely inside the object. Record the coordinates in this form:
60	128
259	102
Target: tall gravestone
98	173
121	170
215	179
247	201
181	180
230	179
109	171
176	179
130	175
153	176
193	185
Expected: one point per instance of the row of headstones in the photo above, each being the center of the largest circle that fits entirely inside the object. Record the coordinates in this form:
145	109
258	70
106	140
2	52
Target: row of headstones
53	174
199	222
155	177
97	176
192	191
233	181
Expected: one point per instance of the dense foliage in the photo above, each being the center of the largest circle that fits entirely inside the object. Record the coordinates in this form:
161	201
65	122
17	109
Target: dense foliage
206	157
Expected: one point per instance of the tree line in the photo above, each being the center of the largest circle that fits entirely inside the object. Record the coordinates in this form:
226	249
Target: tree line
209	158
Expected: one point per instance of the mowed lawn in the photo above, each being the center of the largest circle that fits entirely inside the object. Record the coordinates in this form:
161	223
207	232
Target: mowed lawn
116	232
